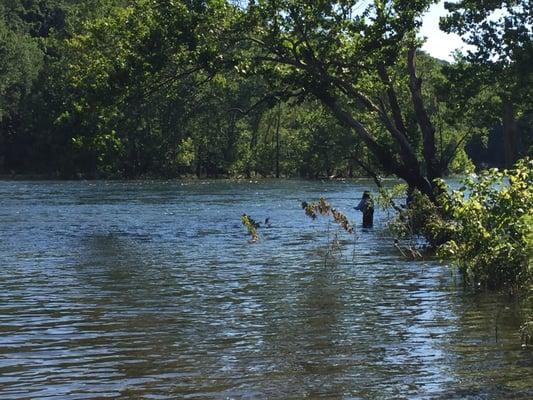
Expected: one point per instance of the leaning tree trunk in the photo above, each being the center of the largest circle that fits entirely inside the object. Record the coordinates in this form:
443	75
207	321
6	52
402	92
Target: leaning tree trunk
406	167
434	168
338	93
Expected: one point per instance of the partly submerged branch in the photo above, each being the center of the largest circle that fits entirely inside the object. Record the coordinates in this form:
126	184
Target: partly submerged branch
322	207
251	226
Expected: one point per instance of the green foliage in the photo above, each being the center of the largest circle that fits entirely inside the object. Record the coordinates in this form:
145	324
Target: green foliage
500	34
422	217
108	88
491	227
528	220
500	30
387	196
136	88
251	227
485	227
20	62
492	83
461	163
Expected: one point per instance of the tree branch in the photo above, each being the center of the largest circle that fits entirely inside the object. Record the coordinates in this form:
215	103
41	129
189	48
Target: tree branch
428	130
393	99
382	154
271	96
454	151
407	153
372	174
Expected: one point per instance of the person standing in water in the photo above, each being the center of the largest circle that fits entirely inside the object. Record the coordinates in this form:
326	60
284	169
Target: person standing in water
366	206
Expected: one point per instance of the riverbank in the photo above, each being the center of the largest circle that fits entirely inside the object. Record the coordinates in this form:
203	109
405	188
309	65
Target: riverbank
188	177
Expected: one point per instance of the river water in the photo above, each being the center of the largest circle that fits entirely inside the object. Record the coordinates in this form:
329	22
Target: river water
151	290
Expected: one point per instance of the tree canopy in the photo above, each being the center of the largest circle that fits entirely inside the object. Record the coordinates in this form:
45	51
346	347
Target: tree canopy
498	64
131	88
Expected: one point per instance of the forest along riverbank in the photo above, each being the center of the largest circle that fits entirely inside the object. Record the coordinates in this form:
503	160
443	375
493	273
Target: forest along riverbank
151	288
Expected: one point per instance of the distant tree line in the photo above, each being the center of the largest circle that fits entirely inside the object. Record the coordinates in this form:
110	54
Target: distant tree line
213	88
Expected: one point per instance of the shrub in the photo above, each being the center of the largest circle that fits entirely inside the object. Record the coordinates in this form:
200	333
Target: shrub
485	228
421	218
489	226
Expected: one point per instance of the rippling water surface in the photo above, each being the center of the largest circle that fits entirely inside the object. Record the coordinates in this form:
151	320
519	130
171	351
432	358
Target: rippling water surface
151	290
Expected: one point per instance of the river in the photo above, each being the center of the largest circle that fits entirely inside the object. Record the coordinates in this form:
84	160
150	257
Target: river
151	290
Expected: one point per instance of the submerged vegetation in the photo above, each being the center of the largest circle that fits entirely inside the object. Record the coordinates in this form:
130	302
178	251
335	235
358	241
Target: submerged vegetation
251	226
322	207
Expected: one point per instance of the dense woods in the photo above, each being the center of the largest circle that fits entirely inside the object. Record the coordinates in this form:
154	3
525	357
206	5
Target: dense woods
136	88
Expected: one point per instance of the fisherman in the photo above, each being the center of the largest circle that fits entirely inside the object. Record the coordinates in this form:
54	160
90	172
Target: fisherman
366	206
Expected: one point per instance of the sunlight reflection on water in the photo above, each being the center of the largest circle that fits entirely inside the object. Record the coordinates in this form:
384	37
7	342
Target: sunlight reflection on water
150	289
